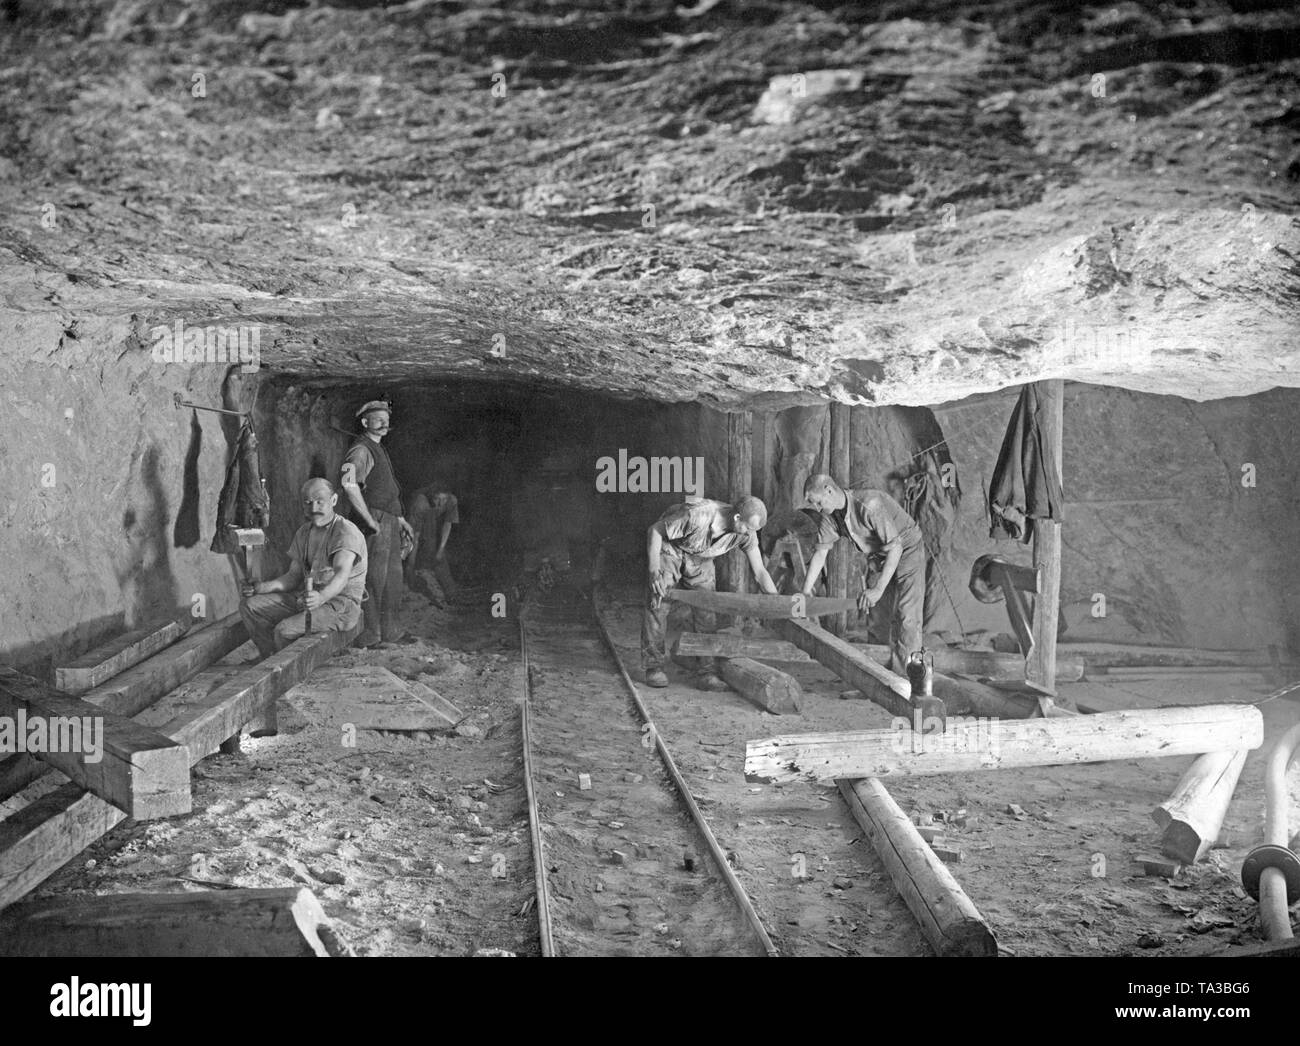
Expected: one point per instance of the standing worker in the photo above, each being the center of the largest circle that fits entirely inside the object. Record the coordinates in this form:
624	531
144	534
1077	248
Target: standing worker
880	527
329	551
681	547
368	480
433	513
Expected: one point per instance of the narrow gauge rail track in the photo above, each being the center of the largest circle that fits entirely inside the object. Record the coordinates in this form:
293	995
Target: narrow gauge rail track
625	862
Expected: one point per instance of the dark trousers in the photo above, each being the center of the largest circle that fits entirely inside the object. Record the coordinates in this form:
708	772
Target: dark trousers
685	572
275	620
904	603
383	582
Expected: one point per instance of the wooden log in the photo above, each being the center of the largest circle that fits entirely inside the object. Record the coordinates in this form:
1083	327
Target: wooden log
137	688
980	662
839	562
1193	816
101	664
960	696
969	744
722	644
43	836
266	923
946	916
761	605
762	685
1107	655
879	684
1040	662
1018	613
136	769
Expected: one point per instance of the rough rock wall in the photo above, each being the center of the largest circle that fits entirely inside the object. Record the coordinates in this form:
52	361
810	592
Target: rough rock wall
1158	520
110	491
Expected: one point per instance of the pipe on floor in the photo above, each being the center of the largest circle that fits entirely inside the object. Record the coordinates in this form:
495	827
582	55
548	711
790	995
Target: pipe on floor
1274	912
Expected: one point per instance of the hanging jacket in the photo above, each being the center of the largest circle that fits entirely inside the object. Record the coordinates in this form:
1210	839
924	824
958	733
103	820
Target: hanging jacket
243	502
1025	484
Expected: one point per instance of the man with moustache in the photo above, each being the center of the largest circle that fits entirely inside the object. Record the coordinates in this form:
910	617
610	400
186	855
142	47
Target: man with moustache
328	549
368	480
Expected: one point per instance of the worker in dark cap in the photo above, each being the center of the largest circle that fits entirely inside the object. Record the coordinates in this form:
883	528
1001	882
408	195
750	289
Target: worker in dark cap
681	546
891	540
368	480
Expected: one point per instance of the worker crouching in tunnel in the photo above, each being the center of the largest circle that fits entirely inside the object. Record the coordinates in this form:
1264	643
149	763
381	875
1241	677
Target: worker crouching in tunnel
881	528
324	585
681	547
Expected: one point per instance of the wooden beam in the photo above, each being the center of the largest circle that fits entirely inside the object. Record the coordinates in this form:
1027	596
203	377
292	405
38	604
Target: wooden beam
136	769
264	923
1018	613
762	685
760	605
1040	663
890	691
978	662
960	696
137	688
982	744
725	644
101	664
840	464
1193	816
946	916
1116	655
43	836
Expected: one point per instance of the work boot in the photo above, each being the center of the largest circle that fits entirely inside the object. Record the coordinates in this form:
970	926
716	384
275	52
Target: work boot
711	681
655	677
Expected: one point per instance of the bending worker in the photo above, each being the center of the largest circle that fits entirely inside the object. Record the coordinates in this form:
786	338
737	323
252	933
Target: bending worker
880	527
328	549
367	468
681	547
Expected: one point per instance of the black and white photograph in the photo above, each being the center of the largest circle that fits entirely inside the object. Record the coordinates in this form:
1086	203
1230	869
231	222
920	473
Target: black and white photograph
651	478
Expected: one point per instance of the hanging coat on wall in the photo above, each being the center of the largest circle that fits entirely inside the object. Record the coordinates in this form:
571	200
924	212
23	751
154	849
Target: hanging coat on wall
1025	485
243	502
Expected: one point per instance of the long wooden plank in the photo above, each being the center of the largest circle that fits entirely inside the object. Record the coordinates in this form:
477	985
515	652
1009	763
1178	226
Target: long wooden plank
102	663
722	644
972	744
890	691
136	769
979	662
960	696
760	605
137	688
947	917
1107	655
274	923
839	562
1040	661
43	836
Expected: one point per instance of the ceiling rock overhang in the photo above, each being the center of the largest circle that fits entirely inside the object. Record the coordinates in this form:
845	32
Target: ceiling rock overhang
752	205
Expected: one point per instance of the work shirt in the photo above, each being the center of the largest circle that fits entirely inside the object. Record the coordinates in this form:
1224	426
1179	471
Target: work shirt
313	549
874	521
436	508
688	528
375	475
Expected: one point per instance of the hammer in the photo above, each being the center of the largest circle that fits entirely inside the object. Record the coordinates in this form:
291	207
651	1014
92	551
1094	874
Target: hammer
246	538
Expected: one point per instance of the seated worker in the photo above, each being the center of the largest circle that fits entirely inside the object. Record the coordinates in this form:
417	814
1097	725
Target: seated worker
880	527
331	551
433	512
681	547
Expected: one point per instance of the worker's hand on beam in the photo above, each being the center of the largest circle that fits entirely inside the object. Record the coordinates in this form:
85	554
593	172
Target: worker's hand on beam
660	584
868	598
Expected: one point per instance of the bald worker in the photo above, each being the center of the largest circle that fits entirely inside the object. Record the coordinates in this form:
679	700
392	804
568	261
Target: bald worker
328	549
681	547
370	484
880	527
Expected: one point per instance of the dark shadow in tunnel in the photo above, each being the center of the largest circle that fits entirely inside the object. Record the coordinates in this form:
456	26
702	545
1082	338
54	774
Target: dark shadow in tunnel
185	534
146	579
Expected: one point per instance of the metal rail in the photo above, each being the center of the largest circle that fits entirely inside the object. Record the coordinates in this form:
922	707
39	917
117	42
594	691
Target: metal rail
534	821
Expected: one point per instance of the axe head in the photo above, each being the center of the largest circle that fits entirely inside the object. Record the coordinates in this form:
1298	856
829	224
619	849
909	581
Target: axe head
250	537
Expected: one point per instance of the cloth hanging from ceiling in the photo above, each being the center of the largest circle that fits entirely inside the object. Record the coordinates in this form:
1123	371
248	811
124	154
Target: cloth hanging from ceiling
243	502
1025	485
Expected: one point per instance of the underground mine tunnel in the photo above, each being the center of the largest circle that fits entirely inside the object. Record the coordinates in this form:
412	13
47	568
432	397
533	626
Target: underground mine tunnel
541	480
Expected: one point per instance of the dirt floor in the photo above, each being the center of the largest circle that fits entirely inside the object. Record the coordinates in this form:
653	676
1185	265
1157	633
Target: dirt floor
421	847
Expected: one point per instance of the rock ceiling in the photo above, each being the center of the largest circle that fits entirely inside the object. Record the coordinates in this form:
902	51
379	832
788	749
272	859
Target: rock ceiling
741	203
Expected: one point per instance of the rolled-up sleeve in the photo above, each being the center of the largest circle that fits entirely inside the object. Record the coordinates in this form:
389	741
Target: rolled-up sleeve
880	521
827	532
